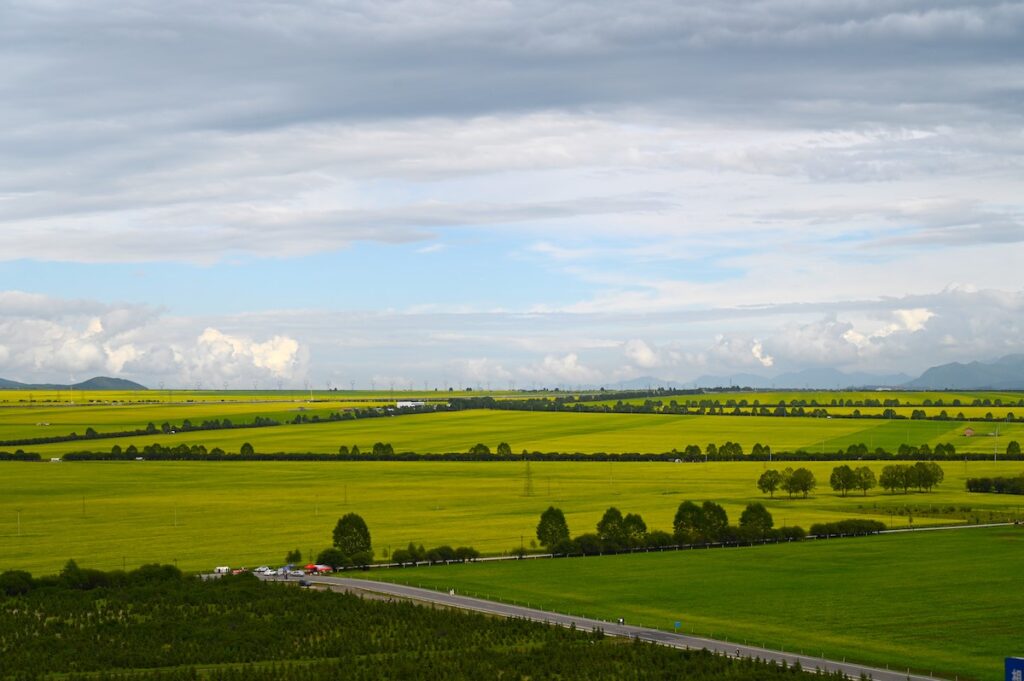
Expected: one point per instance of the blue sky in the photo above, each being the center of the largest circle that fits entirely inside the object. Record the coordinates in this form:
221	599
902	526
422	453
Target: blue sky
530	193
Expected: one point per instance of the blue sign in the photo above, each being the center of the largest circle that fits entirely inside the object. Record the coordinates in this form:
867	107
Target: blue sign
1015	669
678	624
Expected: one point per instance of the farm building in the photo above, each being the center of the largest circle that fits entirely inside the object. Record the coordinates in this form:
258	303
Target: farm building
968	432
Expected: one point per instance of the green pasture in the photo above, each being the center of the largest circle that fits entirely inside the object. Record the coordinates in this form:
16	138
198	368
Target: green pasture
947	603
203	514
825	397
968	412
171	396
51	420
574	432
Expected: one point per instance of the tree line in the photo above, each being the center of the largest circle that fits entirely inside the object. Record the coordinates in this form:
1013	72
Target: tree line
383	451
923	475
997	485
731	407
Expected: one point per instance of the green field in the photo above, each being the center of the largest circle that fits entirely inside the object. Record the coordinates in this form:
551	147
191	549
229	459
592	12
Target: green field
50	420
569	432
942	602
250	513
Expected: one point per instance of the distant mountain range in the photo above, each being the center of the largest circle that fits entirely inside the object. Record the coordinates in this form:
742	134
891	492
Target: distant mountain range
1006	373
97	383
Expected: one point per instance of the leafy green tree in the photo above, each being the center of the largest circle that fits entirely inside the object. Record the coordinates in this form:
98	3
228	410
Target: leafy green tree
757	520
246	449
714	522
1013	447
799	481
504	449
635	529
480	449
293	557
865	479
686	524
352	538
843	479
769	481
925	475
552	529
333	557
611	530
894	477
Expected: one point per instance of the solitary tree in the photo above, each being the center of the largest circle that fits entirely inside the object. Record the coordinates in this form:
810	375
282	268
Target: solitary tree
480	449
769	482
504	449
1013	447
246	449
352	538
552	529
843	479
756	520
865	479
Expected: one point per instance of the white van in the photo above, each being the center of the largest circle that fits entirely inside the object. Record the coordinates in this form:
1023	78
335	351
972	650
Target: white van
222	570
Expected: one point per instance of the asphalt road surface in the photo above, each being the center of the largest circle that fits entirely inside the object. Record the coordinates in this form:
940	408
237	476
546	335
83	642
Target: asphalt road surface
611	628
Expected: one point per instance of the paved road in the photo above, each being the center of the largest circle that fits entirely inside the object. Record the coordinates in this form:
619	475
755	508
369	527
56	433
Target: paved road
613	629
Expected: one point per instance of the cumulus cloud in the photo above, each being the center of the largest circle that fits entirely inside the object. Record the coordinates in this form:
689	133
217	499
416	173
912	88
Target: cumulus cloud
55	341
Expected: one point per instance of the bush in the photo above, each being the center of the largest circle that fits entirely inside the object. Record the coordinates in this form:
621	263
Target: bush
15	582
850	527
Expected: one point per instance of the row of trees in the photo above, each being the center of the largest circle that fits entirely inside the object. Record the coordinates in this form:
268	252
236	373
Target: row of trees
730	407
693	524
997	485
924	475
799	481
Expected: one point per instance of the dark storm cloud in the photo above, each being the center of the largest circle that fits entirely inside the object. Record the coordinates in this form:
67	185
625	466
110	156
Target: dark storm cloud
246	65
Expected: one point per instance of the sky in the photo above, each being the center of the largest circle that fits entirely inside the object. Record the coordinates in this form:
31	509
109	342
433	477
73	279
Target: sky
432	194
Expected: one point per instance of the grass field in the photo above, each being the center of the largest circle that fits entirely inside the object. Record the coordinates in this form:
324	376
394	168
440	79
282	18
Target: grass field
905	600
569	432
204	514
51	420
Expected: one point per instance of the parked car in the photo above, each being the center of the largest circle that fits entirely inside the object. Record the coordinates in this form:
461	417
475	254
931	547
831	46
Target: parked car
297	573
222	570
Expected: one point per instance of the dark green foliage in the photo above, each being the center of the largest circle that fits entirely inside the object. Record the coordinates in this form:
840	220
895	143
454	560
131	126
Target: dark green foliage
685	525
240	629
552	529
15	583
333	557
756	521
769	482
843	479
851	526
999	485
610	529
352	538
